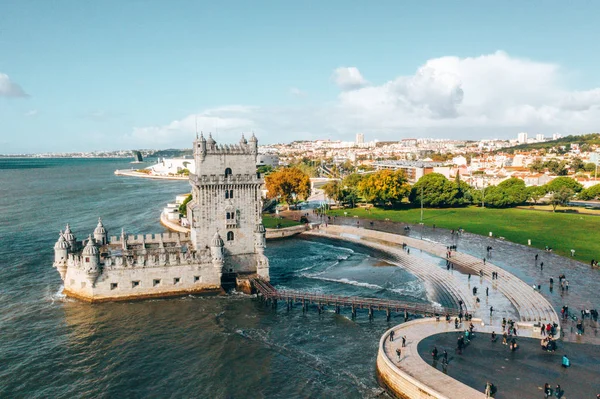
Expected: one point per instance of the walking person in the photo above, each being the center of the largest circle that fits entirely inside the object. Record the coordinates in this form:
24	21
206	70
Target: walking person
487	291
491	310
398	354
403	341
392	336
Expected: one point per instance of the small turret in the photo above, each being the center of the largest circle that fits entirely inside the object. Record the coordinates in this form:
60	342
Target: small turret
61	253
216	250
91	260
243	140
200	148
100	233
211	143
253	144
70	237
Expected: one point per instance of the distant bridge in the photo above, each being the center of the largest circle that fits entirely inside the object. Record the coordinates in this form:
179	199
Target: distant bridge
270	294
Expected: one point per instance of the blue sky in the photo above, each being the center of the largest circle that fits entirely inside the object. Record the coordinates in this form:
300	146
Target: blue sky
79	76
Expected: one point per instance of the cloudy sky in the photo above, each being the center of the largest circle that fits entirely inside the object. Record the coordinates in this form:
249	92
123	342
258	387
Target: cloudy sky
80	76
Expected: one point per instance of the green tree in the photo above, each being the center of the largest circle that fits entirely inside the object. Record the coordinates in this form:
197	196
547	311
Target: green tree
556	168
590	193
289	184
333	190
589	167
536	192
384	186
183	206
264	169
560	182
536	166
510	192
577	164
438	192
561	197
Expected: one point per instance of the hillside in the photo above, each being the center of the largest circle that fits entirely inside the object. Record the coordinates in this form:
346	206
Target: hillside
589	139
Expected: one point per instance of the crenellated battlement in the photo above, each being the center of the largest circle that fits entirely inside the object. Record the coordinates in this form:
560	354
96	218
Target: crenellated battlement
222	179
165	238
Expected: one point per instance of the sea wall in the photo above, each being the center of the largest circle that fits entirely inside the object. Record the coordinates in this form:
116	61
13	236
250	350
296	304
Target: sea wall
142	282
285	232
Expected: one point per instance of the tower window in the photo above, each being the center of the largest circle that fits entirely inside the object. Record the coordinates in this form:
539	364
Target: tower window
113	286
155	282
227	172
176	280
230	236
230	193
196	279
226	194
135	284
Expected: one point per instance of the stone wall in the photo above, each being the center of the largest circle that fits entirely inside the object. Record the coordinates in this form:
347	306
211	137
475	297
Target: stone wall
137	283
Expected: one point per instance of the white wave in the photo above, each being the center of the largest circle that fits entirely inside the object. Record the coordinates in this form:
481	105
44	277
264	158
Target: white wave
336	247
347	281
59	295
342	257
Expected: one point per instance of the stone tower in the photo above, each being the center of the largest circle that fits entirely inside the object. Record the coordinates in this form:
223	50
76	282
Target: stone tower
227	203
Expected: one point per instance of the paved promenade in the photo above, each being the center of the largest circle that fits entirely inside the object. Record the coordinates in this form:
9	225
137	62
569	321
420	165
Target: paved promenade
411	376
412	369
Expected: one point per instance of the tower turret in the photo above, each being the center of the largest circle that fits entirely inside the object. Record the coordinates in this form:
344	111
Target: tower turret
100	235
211	143
91	261
243	140
70	237
216	251
61	253
262	262
200	148
253	144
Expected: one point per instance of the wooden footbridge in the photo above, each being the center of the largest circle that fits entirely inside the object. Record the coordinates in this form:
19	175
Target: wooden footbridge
270	294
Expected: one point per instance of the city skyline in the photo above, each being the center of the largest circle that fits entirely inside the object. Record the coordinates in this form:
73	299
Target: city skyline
144	75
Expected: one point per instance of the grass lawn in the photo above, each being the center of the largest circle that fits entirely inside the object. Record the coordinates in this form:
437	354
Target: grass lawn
270	222
561	231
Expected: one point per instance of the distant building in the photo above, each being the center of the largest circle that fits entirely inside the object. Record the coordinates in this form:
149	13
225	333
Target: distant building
556	136
539	137
522	138
414	170
267	159
360	138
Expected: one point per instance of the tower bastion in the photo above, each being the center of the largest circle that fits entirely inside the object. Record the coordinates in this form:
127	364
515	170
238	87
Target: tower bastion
226	240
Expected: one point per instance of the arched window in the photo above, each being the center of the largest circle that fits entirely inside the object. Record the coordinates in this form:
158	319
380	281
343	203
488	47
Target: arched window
226	194
227	172
230	236
230	193
228	216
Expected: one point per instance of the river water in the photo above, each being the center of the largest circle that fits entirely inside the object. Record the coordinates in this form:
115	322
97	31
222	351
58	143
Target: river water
205	347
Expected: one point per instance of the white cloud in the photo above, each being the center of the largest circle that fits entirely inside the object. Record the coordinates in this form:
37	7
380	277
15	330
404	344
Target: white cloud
10	89
296	92
349	78
492	95
31	112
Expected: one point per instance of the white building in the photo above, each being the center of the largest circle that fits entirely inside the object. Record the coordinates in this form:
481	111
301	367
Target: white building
522	138
539	137
360	138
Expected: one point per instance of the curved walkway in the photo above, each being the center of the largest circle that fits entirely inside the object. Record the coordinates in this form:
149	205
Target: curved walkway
531	305
411	376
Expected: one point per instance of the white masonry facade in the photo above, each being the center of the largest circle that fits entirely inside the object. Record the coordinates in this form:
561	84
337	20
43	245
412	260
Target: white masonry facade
226	242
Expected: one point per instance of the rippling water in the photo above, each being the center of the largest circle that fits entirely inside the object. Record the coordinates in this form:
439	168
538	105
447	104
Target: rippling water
217	347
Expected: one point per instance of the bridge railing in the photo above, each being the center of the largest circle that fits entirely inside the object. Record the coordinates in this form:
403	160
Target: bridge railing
270	292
